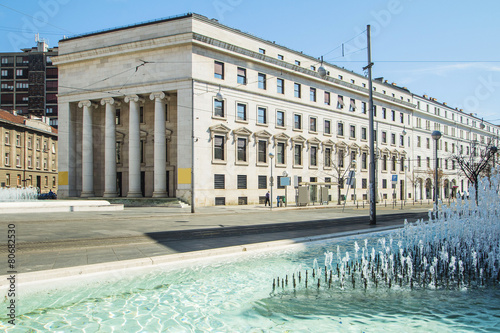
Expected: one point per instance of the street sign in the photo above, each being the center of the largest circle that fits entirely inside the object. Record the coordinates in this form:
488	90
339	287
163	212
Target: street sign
351	178
284	181
394	178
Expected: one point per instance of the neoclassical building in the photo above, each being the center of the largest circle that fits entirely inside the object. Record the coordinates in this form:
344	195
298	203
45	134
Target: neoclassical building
186	105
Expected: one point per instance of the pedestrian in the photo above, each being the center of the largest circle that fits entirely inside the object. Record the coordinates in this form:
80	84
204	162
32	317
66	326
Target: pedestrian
267	199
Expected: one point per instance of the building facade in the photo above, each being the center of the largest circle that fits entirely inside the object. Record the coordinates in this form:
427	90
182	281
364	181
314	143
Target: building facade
28	148
186	105
28	82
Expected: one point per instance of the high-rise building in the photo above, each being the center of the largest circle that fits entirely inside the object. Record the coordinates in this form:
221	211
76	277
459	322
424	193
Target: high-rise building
28	82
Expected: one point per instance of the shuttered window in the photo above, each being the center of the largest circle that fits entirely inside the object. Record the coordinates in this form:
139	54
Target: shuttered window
219	181
242	181
262	182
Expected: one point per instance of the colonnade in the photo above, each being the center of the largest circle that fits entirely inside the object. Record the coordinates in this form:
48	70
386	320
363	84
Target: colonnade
134	149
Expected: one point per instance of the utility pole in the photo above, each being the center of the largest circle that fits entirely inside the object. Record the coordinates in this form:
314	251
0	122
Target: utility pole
373	199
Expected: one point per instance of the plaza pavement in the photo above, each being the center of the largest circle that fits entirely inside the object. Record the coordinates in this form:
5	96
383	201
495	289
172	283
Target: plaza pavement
58	241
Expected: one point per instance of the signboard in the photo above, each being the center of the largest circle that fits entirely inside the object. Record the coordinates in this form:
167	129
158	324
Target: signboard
394	178
285	181
351	178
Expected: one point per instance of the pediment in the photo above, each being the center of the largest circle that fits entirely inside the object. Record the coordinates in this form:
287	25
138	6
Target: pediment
314	141
298	138
263	134
220	128
242	131
328	143
281	136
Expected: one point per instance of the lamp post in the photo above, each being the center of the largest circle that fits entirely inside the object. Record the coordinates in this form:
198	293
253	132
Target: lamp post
436	135
271	181
405	194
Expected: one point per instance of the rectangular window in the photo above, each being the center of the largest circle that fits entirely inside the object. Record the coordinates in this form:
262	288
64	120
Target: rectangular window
219	181
30	161
241	112
280	57
262	182
340	102
401	118
280	153
262	115
141	115
280	86
393	139
419	161
352	132
18	160
401	140
7	158
384	163
296	90
352	105
363	133
384	183
262	151
428	162
312	94
313	124
7	180
297	122
363	161
384	137
340	129
242	76
328	127
419	141
117	117
328	157
364	183
393	115
242	201
428	143
220	201
314	156
363	107
297	150
118	152
262	81
327	98
219	148
219	108
142	151
219	70
341	158
384	113
297	63
242	149
242	181
7	138
19	72
280	118
262	51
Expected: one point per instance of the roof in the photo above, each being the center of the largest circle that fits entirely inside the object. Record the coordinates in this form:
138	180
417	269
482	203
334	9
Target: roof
20	120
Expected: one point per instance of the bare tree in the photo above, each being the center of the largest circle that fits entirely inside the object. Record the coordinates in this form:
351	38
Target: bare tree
477	163
340	168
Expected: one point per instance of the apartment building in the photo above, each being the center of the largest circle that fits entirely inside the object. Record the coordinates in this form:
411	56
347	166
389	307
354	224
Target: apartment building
28	82
186	106
28	147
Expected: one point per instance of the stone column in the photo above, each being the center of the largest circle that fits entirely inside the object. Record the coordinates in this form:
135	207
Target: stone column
160	148
134	149
110	147
87	150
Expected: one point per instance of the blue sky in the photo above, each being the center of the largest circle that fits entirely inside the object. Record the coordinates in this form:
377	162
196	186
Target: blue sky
446	49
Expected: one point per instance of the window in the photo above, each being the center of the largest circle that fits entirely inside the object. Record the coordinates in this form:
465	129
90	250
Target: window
419	141
384	183
363	133
19	182
363	107
262	81
340	77
297	150
19	72
364	183
117	117
363	161
218	108
328	157
428	162
352	132
394	163
280	153
314	156
297	63
384	113
219	148
7	158
297	121
242	150
313	124
280	57
219	70
384	137
262	115
141	115
280	86
340	102
340	129
428	143
220	201
7	180
384	163
262	51
262	151
328	129
118	153
280	118
7	138
341	158
393	115
393	139
241	76
18	160
38	162
296	90
401	118
312	94
142	151
4	72
352	105
30	161
241	112
242	181
419	161
313	68
262	182
327	98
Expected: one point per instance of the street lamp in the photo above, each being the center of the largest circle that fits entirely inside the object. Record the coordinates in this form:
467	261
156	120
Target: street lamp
436	135
271	155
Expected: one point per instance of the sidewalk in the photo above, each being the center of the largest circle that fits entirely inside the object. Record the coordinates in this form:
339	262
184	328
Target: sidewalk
55	241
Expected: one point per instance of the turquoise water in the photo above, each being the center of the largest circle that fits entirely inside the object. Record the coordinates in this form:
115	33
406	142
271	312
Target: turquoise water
235	295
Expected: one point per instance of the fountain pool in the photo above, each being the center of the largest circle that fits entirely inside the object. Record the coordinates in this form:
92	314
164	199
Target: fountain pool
18	194
455	288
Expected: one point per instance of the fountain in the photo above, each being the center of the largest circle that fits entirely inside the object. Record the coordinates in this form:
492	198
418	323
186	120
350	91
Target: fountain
18	194
440	275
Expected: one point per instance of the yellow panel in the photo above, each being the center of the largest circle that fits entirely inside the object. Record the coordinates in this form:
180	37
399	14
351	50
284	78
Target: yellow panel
184	176
63	178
